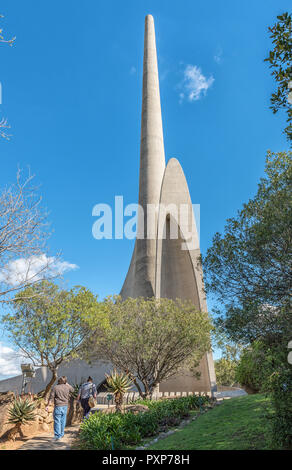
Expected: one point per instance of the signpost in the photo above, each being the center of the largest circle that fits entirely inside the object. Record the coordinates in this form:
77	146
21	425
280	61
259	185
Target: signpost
109	397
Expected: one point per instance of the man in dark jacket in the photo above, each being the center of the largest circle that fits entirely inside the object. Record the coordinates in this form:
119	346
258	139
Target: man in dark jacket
60	395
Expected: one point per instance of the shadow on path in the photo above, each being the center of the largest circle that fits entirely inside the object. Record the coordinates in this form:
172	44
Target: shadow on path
47	442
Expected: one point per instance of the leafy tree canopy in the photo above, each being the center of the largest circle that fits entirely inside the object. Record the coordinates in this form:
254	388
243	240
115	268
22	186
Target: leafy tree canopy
249	267
280	60
47	323
150	340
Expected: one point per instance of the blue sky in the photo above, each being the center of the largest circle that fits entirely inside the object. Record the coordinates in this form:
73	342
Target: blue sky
71	90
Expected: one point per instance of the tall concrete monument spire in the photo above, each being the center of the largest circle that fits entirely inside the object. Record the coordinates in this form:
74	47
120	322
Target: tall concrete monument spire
140	280
160	267
152	160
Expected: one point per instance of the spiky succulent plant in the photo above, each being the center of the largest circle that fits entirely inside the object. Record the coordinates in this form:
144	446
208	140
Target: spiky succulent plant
21	412
118	383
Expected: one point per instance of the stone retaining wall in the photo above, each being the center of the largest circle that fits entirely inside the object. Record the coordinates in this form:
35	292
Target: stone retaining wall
44	418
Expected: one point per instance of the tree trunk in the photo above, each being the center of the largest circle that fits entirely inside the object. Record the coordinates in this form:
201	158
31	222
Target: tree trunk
148	391
50	384
119	402
135	382
148	395
19	429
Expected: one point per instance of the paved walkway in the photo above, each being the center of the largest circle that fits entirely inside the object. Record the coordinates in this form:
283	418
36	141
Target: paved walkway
230	393
46	441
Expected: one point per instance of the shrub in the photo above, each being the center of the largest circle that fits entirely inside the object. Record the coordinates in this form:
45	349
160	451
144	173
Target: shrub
225	371
101	431
251	371
21	412
265	368
279	386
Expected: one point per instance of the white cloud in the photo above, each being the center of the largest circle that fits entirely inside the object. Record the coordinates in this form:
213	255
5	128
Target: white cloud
21	270
194	84
10	361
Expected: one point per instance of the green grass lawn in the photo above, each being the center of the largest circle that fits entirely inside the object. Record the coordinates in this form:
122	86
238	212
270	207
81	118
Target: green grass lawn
238	424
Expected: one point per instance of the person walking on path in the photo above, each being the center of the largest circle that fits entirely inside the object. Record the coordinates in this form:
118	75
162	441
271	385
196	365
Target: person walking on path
86	390
60	395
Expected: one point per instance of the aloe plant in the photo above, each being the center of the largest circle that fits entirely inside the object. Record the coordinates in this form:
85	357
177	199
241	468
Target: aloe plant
21	412
118	383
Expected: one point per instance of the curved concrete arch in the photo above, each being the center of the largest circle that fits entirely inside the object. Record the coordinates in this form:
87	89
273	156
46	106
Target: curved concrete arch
175	195
175	277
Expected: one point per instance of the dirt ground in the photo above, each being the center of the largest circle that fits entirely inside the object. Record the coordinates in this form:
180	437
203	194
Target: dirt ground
43	441
29	431
14	445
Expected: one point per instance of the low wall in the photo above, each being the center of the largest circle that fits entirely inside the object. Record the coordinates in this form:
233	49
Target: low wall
133	396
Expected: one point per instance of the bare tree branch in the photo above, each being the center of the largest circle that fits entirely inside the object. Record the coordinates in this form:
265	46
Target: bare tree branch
24	231
3	121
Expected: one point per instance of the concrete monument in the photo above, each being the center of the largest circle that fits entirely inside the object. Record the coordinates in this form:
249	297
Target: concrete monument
159	266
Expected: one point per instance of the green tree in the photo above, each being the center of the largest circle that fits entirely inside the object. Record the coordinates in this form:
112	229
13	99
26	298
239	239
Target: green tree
150	340
280	60
254	367
249	269
225	371
225	367
47	324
